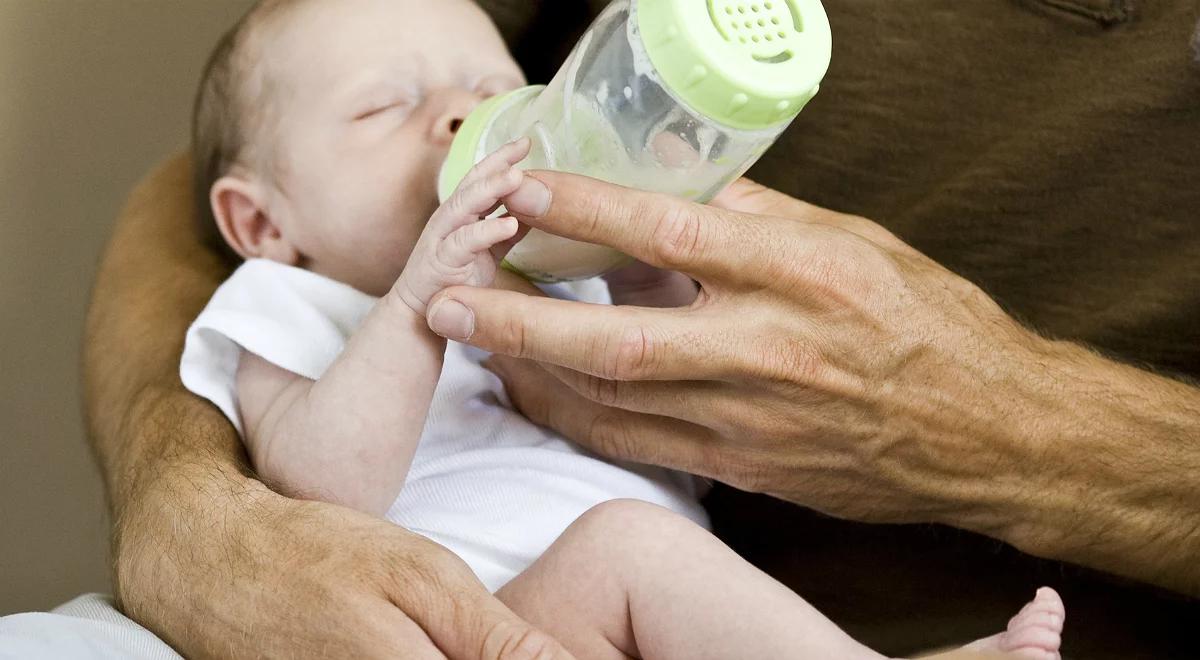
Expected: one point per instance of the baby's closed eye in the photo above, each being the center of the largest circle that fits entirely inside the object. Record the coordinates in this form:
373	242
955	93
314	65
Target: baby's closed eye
385	99
391	104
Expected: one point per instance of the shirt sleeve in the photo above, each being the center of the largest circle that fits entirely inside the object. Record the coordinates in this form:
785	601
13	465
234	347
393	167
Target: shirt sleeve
296	320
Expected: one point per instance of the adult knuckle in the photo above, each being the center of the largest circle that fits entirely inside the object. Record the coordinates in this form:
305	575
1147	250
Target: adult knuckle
609	434
601	210
513	640
677	238
513	335
601	390
633	355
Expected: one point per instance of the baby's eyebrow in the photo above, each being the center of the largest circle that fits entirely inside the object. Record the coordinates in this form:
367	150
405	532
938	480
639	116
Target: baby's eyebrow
367	87
399	74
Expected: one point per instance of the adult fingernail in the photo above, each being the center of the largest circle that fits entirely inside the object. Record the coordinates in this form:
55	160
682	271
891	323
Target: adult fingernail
532	198
452	319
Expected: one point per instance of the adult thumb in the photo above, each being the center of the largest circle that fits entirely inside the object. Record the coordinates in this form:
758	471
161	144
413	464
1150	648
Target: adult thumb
511	638
475	625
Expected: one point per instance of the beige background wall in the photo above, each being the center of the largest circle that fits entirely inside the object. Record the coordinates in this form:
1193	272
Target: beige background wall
92	93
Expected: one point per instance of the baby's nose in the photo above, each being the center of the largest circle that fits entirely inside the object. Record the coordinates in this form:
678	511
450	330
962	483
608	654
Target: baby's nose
456	104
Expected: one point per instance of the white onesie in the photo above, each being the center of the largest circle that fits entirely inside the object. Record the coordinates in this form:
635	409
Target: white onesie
485	482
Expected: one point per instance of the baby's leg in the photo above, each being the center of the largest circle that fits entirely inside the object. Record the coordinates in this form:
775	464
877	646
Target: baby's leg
630	579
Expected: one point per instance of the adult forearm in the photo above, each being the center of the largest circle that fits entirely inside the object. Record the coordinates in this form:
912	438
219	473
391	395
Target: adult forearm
153	279
1114	463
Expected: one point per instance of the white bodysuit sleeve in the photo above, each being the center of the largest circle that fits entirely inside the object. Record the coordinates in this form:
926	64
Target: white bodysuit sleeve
297	320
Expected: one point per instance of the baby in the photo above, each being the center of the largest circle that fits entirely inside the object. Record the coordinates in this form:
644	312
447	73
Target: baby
319	129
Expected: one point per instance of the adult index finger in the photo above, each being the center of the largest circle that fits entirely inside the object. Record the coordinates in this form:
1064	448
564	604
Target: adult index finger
617	343
672	233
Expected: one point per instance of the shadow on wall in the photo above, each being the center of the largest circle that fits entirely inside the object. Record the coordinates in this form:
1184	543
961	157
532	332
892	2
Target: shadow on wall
92	94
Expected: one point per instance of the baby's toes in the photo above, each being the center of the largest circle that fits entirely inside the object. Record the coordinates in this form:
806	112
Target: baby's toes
1036	631
1048	600
1037	619
1031	642
1045	601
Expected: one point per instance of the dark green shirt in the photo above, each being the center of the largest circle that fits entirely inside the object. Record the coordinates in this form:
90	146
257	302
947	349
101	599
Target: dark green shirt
1047	150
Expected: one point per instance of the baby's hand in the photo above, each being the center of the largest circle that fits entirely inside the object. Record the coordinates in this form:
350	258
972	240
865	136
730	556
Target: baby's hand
461	245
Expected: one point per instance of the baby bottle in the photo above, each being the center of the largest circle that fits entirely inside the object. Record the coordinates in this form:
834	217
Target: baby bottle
672	96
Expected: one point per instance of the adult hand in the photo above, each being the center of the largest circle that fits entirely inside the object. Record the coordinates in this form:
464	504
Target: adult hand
226	573
827	363
824	361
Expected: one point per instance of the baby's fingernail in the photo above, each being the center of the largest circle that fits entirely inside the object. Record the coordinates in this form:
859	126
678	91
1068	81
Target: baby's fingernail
532	198
451	319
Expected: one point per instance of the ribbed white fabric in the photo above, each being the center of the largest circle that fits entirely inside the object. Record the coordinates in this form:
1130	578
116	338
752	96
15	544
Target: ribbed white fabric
87	627
485	482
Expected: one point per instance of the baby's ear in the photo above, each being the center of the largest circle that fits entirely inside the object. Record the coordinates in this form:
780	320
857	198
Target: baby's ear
240	207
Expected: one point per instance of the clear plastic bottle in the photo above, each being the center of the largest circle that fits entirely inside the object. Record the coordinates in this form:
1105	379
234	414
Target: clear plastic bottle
672	96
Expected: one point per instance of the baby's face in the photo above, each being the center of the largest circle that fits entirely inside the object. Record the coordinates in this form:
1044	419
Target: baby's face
370	95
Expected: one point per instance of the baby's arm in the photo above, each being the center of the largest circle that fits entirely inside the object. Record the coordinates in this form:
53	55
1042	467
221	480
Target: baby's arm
349	437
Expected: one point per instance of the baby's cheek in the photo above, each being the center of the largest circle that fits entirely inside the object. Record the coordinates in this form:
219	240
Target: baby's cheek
389	254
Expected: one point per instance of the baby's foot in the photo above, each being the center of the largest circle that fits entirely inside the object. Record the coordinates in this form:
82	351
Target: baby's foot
1035	632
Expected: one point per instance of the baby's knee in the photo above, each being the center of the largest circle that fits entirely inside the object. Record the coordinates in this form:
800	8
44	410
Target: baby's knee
635	526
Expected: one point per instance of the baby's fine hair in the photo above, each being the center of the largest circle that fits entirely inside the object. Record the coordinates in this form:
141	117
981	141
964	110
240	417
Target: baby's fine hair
230	105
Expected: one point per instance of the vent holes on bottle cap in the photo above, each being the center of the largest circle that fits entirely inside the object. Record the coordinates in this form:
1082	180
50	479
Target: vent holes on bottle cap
769	21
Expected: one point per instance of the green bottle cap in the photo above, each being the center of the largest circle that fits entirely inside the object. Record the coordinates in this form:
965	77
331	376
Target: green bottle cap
749	64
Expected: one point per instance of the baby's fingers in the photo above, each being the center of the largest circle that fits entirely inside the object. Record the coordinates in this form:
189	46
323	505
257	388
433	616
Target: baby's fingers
498	161
460	248
478	198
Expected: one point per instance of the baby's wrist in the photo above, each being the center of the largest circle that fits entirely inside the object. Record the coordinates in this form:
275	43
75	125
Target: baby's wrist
406	307
403	294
